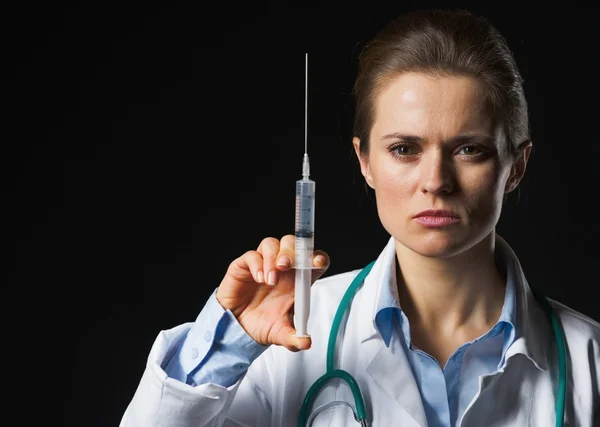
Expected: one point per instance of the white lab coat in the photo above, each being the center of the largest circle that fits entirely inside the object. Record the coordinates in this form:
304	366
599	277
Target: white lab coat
520	394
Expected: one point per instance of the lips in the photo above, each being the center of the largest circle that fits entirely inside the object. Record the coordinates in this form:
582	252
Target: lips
437	213
437	218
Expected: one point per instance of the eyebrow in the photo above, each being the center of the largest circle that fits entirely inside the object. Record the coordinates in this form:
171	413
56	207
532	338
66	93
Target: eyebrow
460	139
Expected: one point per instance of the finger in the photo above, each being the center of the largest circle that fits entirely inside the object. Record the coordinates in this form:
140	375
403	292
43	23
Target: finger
285	258
269	248
248	265
322	261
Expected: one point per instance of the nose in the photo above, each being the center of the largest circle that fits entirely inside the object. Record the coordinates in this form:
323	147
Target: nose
437	174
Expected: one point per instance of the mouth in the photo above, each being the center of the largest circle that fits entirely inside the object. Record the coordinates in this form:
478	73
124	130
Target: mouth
437	218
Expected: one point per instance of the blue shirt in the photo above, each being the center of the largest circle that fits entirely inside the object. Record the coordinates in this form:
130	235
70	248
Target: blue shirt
217	350
447	391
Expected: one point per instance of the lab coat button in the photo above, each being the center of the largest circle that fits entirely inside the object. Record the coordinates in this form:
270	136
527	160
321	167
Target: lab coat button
207	336
194	353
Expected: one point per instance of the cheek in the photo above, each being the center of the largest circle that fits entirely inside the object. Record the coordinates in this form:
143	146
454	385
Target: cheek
393	181
483	187
394	186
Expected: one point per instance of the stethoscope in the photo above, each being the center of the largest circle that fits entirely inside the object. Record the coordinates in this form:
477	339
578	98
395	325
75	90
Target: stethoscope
360	414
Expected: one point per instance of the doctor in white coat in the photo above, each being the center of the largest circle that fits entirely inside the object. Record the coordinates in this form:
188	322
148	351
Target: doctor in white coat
444	330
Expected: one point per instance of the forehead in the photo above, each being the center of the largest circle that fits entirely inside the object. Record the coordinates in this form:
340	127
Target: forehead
423	104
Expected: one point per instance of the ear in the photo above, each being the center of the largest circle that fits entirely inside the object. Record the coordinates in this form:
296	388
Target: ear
518	168
364	162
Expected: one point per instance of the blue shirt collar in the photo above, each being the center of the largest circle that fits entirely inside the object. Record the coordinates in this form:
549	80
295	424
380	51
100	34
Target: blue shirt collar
389	309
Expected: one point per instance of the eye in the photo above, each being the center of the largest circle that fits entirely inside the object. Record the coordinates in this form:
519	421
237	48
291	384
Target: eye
403	150
472	150
469	149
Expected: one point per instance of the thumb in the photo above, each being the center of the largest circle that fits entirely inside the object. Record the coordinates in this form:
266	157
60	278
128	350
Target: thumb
289	340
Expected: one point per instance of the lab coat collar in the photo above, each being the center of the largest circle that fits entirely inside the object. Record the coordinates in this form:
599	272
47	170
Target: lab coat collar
531	323
389	367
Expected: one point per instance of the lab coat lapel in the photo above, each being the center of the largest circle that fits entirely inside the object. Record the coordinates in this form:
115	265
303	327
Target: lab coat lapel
534	333
388	366
391	371
504	398
507	396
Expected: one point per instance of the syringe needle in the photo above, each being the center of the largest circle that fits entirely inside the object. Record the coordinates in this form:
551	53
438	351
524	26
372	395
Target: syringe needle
306	103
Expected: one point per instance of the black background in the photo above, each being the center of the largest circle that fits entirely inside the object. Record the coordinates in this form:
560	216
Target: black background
155	144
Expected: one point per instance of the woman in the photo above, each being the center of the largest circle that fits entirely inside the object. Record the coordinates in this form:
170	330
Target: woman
444	330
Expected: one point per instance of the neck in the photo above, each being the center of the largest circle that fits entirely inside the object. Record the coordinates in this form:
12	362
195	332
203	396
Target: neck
443	296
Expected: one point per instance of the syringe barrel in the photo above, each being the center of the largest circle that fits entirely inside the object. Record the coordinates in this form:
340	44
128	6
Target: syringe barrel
305	208
304	249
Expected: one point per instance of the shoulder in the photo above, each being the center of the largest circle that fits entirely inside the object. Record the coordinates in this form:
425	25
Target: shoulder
576	324
582	334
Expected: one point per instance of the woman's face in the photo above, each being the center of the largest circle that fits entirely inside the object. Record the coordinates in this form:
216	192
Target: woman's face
434	146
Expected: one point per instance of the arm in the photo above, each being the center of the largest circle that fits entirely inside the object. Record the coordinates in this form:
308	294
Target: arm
177	389
182	388
216	350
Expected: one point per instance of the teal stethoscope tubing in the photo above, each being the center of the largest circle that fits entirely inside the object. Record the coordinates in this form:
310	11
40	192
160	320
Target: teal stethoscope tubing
361	412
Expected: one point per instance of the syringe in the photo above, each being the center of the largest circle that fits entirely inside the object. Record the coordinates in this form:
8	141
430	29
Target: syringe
304	231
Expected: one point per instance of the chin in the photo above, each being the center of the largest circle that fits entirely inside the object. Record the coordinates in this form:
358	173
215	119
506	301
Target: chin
436	243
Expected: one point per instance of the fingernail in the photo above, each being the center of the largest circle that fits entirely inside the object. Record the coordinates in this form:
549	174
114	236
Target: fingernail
261	277
320	259
299	346
271	279
283	261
